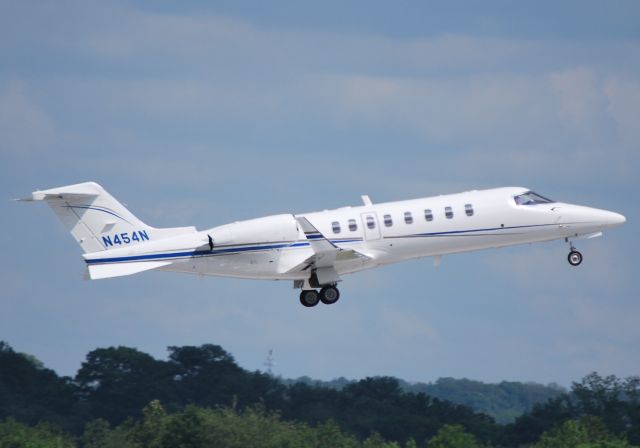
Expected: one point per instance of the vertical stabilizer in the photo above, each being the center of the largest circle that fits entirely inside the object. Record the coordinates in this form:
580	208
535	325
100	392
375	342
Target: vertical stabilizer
97	220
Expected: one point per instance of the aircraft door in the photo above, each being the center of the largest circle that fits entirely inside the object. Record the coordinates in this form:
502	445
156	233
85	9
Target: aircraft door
371	226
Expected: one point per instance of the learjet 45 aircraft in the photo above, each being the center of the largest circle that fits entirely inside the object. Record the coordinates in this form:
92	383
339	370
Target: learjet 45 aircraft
315	250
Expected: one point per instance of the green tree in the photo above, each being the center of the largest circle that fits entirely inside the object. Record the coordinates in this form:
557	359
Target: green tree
151	431
504	401
453	436
30	393
184	430
529	427
602	397
375	440
43	435
118	382
227	428
99	434
208	376
588	432
329	434
411	444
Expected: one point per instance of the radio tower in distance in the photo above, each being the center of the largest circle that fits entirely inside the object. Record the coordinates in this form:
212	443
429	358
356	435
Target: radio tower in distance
269	362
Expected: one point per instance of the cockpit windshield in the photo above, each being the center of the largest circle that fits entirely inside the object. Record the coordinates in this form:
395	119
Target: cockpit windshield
531	198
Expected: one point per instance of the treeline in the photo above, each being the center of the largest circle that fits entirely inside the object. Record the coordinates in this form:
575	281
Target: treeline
198	389
504	401
254	427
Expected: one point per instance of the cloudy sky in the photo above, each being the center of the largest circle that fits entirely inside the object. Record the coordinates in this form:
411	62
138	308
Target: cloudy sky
194	113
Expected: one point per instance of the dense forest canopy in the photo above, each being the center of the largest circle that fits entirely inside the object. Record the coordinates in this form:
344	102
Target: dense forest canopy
199	396
504	401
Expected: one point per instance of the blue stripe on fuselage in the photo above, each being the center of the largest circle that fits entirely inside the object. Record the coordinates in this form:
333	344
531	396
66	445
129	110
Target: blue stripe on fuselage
200	253
237	250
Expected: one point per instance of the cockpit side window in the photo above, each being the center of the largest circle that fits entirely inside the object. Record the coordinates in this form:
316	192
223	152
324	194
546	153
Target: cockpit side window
531	198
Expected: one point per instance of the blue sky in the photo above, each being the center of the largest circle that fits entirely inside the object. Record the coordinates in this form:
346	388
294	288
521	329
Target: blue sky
195	113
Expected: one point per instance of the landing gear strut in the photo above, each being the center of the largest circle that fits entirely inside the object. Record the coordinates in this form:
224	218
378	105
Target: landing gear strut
327	295
574	257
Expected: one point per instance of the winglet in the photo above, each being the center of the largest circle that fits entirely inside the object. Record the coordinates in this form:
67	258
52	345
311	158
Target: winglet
366	200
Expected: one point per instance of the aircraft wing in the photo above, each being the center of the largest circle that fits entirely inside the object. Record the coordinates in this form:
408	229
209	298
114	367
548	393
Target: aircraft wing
325	251
325	257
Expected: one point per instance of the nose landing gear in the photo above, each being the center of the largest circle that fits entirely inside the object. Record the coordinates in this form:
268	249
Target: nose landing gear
574	257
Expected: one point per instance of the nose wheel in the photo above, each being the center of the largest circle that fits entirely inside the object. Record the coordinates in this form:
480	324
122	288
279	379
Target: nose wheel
327	295
575	258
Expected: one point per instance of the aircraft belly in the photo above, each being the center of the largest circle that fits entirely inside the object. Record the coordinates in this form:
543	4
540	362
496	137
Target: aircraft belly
249	265
289	263
400	248
259	265
256	265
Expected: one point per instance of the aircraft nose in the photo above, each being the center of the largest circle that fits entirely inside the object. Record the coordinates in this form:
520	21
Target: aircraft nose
610	219
616	219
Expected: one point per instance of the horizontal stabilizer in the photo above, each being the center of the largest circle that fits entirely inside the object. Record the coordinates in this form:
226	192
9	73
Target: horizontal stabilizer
108	270
43	196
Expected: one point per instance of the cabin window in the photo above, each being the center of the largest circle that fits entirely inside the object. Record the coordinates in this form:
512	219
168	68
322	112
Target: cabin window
388	221
448	212
408	218
428	215
468	209
335	226
353	226
371	223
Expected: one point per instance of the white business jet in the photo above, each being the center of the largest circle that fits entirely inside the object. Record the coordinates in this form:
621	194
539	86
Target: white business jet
316	249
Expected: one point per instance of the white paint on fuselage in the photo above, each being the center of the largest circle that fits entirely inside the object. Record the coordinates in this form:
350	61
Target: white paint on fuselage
497	221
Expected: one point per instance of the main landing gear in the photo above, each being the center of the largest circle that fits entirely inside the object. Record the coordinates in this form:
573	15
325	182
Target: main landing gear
327	295
574	257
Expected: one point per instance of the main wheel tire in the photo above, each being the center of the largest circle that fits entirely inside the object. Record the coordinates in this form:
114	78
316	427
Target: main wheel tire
575	258
309	298
329	295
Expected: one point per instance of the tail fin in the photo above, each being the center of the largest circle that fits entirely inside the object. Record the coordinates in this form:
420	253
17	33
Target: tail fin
97	220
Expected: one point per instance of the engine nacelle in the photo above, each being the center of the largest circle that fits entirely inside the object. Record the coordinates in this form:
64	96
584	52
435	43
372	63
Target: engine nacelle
270	229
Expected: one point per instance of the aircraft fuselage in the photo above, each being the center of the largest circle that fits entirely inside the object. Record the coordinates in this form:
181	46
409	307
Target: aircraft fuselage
316	249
